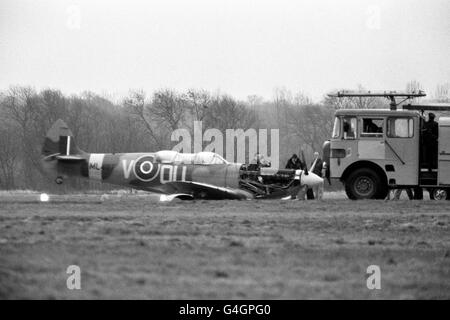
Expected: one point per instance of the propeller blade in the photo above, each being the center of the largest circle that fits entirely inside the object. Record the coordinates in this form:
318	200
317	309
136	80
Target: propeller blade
305	170
313	166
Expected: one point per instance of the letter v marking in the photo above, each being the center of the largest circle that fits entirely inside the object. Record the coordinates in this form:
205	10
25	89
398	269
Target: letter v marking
127	170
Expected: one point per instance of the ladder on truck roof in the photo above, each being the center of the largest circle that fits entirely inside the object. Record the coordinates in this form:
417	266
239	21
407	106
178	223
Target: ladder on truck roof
427	107
391	95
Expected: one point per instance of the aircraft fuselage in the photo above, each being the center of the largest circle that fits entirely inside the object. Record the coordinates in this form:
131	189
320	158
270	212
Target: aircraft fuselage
142	171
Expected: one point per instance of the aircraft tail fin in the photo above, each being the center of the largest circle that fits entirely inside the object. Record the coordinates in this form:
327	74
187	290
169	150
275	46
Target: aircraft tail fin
59	142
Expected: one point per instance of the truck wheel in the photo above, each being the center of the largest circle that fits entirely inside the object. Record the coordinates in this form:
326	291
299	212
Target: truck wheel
364	184
439	194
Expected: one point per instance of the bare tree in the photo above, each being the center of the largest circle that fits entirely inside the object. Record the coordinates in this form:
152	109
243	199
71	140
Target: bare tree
137	106
442	93
55	106
282	99
228	113
23	107
413	86
9	154
301	99
311	124
168	108
198	101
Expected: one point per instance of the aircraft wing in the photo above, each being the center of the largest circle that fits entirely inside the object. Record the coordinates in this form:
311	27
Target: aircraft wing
202	190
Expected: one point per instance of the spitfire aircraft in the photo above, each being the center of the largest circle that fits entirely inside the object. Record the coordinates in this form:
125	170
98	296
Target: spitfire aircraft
202	175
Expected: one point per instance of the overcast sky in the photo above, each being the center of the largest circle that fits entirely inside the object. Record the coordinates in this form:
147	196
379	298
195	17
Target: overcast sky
238	47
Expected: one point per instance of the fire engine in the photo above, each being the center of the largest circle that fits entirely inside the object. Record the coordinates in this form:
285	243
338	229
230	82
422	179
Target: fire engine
374	150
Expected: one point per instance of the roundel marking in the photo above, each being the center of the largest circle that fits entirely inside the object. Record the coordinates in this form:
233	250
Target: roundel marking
147	164
144	169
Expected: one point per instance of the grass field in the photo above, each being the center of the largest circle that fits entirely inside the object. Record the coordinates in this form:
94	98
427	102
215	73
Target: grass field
131	246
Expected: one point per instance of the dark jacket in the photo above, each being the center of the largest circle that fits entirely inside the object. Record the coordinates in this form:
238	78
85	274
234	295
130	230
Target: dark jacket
431	131
296	164
318	167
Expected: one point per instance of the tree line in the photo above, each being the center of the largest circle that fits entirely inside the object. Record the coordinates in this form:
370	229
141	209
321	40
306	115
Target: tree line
144	122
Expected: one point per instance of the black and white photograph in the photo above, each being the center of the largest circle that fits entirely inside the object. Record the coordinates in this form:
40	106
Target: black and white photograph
212	152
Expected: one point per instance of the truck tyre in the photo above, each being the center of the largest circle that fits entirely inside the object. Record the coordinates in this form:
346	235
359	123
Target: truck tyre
364	183
439	194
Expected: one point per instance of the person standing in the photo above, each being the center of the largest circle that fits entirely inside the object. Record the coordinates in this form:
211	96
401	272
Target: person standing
430	141
297	192
317	164
294	163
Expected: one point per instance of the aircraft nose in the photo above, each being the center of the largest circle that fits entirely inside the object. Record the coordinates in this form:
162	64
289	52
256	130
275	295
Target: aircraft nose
311	179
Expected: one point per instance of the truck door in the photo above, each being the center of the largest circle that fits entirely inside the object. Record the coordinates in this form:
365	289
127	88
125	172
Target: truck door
402	149
371	144
444	151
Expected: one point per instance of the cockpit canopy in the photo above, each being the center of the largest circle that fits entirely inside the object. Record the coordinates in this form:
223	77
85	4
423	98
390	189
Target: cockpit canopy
175	157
